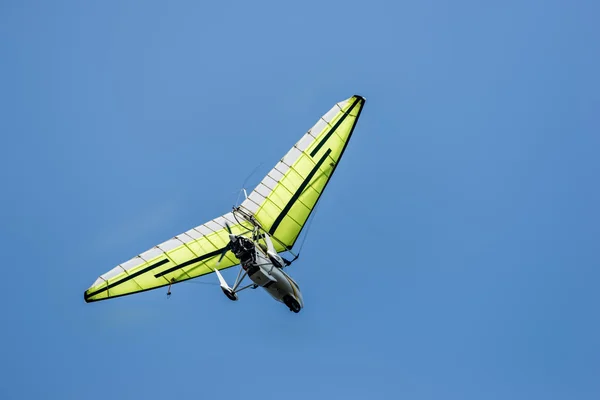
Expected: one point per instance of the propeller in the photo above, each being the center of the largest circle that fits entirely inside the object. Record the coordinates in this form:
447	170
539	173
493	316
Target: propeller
232	238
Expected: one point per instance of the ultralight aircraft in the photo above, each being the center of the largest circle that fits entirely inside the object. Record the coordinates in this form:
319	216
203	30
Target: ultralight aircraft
252	234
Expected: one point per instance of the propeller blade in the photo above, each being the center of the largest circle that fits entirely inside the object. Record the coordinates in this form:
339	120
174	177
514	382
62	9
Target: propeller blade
232	238
225	250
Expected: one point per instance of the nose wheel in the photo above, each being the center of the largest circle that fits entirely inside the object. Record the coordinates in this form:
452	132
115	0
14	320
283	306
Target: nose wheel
292	304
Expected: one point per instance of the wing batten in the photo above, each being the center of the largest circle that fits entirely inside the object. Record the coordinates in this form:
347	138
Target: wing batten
296	195
190	262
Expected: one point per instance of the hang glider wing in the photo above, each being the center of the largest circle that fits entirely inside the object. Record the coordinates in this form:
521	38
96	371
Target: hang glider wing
186	256
285	198
281	203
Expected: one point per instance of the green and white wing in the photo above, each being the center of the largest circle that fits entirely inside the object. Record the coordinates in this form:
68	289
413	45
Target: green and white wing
281	203
186	256
285	198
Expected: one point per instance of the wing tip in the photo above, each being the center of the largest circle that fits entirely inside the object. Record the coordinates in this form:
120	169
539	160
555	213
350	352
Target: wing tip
360	98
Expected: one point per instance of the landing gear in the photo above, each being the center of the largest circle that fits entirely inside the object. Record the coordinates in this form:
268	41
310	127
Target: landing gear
292	303
231	295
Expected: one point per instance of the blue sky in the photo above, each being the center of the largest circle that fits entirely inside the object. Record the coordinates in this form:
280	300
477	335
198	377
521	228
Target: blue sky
454	254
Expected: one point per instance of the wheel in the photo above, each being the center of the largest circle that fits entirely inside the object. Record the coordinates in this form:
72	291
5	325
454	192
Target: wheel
230	294
293	304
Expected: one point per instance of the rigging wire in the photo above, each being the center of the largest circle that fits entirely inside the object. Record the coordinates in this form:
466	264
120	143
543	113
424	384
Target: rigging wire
200	283
246	181
188	281
311	219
